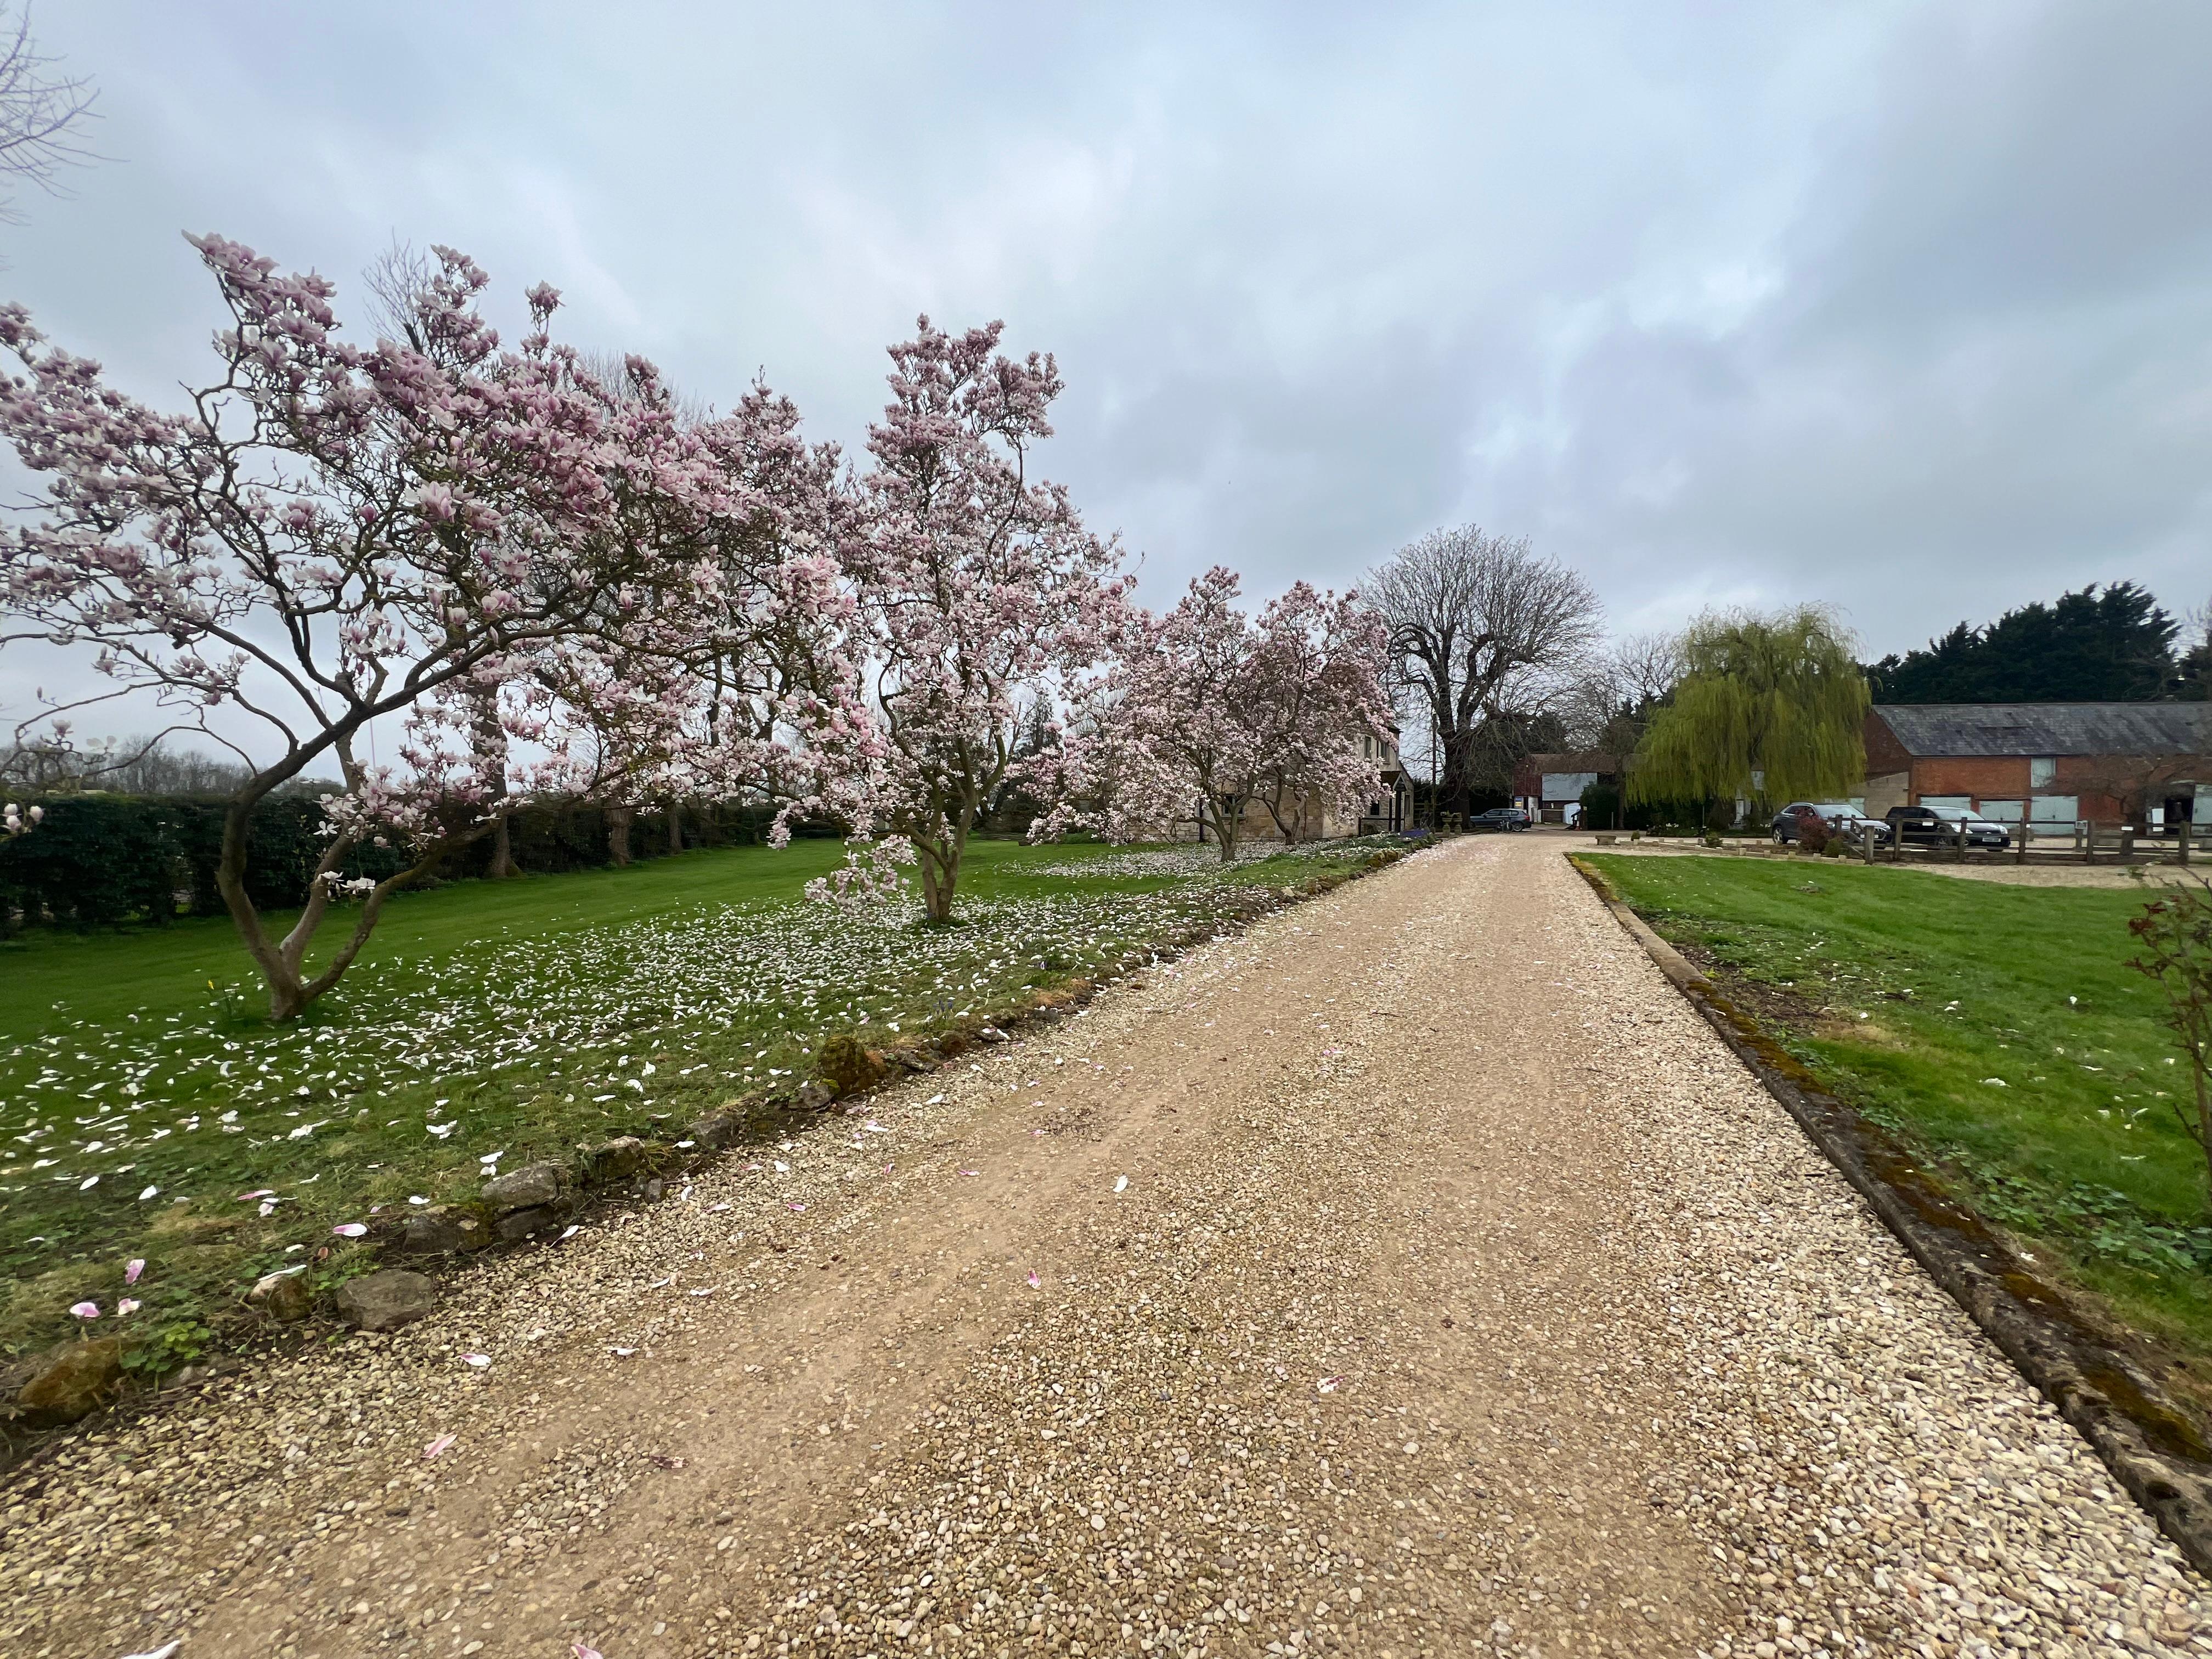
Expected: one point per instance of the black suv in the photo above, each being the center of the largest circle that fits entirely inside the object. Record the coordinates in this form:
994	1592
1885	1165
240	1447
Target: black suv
1499	818
1925	825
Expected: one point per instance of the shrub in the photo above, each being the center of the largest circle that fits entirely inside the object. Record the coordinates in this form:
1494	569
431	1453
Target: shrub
2175	936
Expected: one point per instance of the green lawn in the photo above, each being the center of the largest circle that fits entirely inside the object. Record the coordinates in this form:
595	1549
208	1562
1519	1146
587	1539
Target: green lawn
1997	1028
102	976
149	1115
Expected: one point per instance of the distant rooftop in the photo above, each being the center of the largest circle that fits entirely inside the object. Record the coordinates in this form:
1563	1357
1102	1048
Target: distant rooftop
2050	728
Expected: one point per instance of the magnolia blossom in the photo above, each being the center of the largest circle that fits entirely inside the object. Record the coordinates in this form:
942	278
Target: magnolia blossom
489	546
976	589
1213	713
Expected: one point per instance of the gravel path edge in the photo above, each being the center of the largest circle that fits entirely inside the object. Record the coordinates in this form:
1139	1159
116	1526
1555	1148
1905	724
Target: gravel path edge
2149	1443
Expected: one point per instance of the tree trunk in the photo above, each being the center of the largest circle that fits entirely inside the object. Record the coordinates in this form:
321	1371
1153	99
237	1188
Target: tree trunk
940	856
287	995
1228	821
490	740
674	826
618	819
502	852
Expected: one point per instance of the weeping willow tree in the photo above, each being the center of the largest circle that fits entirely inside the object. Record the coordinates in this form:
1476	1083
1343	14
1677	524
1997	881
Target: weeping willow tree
1768	707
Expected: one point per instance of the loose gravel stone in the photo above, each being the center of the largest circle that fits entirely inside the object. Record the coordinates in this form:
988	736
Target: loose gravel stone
1416	1274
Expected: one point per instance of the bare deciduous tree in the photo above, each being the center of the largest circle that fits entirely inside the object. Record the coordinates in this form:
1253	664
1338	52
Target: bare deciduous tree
1622	686
41	114
1486	634
1643	669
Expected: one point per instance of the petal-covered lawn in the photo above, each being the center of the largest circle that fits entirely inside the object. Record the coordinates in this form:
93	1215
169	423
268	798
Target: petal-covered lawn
213	1147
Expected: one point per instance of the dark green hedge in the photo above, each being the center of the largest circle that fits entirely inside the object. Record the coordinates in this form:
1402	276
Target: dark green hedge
101	860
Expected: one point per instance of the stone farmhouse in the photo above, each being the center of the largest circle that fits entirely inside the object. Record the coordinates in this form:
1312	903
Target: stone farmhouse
2146	765
1315	820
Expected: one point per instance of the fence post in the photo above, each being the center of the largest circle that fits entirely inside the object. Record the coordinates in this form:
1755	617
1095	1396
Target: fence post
2027	828
1866	840
2127	843
2185	842
2088	836
1959	854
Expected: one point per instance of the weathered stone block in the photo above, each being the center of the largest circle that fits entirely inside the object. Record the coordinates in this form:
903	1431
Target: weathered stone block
75	1380
284	1297
520	1189
385	1300
617	1160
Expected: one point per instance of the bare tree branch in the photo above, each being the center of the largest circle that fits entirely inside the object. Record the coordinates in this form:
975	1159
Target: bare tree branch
41	115
1487	634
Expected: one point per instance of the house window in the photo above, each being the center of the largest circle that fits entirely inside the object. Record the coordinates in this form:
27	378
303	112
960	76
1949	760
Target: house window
2042	773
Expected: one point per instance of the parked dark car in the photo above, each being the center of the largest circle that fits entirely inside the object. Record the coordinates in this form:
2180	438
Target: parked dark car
1841	818
1918	824
1786	822
1926	827
1499	818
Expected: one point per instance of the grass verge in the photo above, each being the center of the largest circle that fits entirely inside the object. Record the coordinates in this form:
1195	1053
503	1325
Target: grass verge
152	1115
1998	1031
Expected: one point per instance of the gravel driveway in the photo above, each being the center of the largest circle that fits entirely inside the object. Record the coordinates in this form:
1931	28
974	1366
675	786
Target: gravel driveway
1414	1273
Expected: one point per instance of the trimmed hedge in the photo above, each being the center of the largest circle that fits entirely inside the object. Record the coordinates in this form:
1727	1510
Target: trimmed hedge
103	861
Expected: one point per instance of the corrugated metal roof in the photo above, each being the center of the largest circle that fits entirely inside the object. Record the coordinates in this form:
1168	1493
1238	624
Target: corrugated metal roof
2050	728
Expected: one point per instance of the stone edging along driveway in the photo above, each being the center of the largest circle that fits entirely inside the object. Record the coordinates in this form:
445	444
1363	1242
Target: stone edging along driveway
2152	1447
551	1191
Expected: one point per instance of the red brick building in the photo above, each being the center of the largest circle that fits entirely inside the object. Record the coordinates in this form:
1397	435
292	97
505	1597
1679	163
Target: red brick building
2147	764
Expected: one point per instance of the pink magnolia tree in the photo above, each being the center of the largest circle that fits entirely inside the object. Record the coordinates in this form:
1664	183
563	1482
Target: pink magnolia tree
977	591
1211	713
1323	710
488	546
744	686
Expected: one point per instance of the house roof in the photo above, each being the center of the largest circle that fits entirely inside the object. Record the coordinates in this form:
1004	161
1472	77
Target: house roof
2050	728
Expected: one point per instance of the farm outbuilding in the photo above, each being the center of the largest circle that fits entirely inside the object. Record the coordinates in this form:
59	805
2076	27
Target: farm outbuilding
2148	765
1549	787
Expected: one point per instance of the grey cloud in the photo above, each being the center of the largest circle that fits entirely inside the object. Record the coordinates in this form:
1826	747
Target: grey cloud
1902	307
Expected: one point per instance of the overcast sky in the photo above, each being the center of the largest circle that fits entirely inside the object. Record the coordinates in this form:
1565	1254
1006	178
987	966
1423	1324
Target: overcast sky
1905	307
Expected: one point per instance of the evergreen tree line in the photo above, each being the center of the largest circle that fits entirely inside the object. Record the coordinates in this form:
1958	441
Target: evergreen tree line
2115	645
